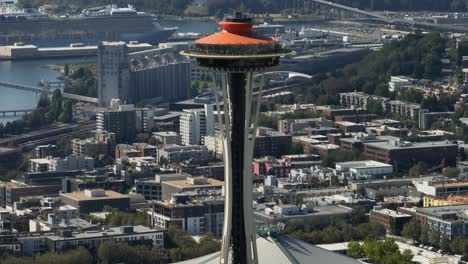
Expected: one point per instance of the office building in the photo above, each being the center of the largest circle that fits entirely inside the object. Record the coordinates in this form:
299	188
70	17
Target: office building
450	221
13	191
175	154
94	200
195	124
102	144
403	155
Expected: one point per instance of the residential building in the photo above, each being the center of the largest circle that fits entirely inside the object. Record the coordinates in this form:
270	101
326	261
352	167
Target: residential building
9	243
102	144
167	137
196	217
66	239
396	83
70	163
295	126
144	119
271	166
43	151
95	200
426	118
174	153
195	184
393	221
120	119
195	124
135	150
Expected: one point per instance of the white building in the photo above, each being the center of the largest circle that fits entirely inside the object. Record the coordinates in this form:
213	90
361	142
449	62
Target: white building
398	82
363	169
69	163
195	124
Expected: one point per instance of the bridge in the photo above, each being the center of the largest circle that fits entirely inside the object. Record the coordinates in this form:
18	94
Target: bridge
15	112
42	90
396	21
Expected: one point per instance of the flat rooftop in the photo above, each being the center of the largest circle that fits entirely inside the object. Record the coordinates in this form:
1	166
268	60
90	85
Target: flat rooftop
183	184
111	231
408	145
81	196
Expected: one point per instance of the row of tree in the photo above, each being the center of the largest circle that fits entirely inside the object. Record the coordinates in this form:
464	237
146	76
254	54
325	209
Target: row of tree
179	246
379	251
337	231
47	112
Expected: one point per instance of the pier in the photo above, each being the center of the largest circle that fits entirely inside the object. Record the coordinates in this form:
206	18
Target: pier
15	112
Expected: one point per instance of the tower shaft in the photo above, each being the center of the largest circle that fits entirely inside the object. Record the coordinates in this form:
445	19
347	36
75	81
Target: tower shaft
237	94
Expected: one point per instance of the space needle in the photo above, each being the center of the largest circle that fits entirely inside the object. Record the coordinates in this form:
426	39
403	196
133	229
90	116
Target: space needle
235	53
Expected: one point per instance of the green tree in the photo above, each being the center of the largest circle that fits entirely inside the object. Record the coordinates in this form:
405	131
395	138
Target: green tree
375	107
67	112
412	230
451	172
418	170
55	106
355	250
434	238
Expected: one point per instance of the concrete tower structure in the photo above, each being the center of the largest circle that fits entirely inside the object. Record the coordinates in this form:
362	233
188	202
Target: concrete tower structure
113	72
237	52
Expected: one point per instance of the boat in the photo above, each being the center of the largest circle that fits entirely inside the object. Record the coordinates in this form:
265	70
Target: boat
93	25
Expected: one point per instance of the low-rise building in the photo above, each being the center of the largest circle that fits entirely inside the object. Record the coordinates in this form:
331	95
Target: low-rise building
175	153
196	184
167	137
95	200
152	189
393	221
67	239
43	151
363	169
196	217
403	154
71	163
103	143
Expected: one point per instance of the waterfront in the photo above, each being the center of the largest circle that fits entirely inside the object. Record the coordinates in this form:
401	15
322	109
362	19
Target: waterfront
25	72
30	72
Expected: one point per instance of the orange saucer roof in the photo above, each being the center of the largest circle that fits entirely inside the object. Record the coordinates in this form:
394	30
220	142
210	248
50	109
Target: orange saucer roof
235	34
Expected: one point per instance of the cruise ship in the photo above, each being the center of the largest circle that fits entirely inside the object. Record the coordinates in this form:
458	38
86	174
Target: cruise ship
93	25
